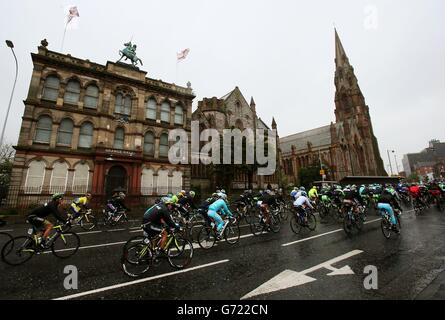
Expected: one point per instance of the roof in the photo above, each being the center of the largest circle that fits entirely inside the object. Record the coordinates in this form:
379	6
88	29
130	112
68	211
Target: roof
369	179
318	137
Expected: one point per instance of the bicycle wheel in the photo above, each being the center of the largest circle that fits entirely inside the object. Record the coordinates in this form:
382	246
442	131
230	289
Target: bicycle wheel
284	213
386	227
133	240
274	224
18	250
180	252
206	237
256	225
232	233
136	259
311	221
88	222
294	224
65	245
347	225
323	212
195	224
5	237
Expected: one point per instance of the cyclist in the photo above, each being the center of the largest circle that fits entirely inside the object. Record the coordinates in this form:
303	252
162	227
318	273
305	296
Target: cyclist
219	206
386	202
155	217
79	204
37	216
185	203
294	193
313	194
116	203
414	191
301	204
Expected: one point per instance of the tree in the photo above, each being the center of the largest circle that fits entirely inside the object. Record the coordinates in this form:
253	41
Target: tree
6	160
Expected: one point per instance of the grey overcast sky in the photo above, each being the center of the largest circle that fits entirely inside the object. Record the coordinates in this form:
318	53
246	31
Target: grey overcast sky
279	52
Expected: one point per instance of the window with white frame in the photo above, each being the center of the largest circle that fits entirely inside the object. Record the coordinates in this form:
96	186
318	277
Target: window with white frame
123	104
179	115
119	137
163	145
149	143
165	112
147	181
65	133
91	98
51	88
162	187
81	178
43	129
150	109
35	176
86	135
59	175
72	92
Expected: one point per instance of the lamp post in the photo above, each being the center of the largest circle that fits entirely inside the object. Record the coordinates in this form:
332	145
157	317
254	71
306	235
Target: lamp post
389	159
10	45
395	160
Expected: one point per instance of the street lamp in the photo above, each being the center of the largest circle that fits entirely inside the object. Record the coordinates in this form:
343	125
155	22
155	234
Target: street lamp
389	159
395	160
10	45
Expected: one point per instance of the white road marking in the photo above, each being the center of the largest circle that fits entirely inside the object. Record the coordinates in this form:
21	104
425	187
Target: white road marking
6	230
113	230
88	232
290	278
322	234
126	284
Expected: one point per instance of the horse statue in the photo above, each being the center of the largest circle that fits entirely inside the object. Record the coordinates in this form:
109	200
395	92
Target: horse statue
129	52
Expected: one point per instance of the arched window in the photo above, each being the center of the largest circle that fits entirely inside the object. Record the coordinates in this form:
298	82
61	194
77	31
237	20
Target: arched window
51	88
119	138
86	135
58	177
81	178
72	92
147	181
165	112
179	115
162	182
123	104
91	97
65	132
177	181
150	109
34	177
163	145
149	143
43	129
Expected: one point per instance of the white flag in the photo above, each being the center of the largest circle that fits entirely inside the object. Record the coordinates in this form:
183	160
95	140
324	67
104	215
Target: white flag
73	12
183	54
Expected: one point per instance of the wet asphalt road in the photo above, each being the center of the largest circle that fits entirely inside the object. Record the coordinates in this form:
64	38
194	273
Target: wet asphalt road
409	266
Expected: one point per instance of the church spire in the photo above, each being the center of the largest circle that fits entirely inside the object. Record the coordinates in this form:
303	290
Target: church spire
341	58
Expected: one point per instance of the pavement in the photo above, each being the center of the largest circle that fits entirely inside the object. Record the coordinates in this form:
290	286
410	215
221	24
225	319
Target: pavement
323	264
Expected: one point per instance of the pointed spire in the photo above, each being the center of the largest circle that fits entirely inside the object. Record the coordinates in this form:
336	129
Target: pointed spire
252	104
340	54
274	124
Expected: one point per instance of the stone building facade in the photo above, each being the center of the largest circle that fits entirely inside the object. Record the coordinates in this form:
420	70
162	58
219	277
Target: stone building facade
92	127
231	111
347	147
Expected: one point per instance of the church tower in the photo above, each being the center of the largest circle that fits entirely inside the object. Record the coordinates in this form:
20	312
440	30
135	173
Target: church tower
352	113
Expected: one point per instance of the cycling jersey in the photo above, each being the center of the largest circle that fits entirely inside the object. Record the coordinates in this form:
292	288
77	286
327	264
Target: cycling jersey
79	203
302	201
313	193
50	208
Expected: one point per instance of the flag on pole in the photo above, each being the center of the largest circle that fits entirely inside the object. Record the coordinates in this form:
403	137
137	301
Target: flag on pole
183	54
72	13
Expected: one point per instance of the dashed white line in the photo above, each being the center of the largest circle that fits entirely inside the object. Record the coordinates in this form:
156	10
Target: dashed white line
126	284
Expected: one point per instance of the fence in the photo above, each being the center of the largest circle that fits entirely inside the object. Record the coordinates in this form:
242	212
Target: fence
19	200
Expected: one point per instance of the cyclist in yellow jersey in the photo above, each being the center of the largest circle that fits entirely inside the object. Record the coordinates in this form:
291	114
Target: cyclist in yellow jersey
313	194
78	204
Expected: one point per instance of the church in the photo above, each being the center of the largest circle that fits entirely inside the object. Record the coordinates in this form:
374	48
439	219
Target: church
347	147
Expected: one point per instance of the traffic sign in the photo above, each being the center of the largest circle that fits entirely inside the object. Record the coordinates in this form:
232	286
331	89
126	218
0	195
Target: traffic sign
321	172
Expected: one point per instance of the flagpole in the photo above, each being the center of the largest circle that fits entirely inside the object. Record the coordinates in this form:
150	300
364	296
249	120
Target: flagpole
63	39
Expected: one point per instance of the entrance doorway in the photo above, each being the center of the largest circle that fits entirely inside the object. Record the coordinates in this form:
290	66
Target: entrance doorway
116	179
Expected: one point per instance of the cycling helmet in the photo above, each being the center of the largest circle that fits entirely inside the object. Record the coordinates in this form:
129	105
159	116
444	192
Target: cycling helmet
222	196
57	196
192	194
304	194
167	200
121	195
302	189
223	191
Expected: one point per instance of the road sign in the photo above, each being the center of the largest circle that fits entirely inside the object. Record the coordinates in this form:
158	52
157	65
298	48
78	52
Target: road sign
321	172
